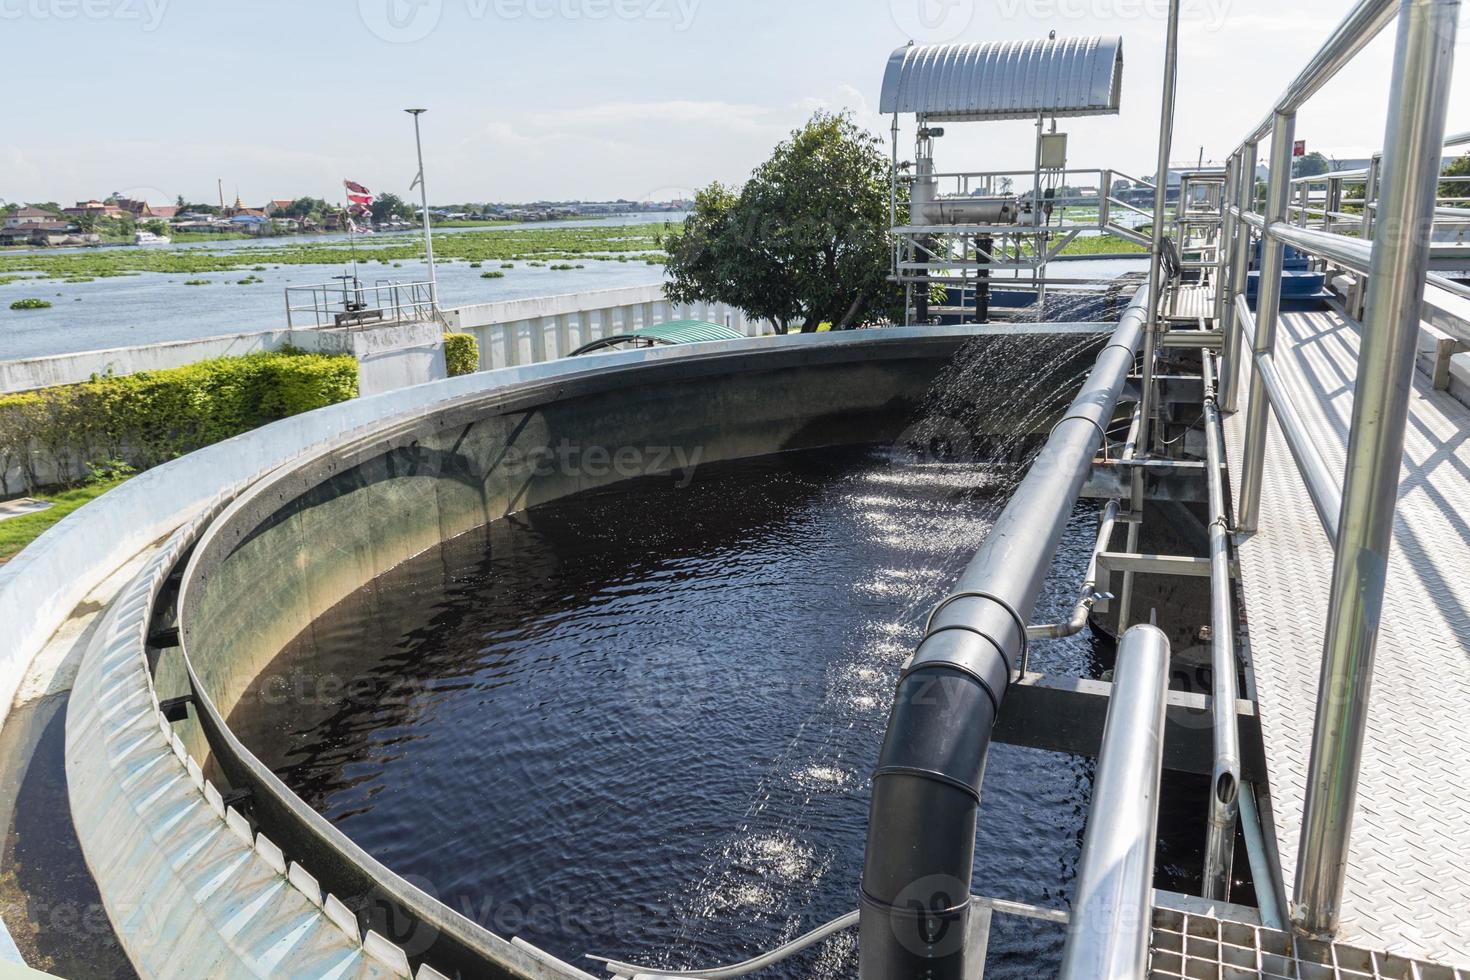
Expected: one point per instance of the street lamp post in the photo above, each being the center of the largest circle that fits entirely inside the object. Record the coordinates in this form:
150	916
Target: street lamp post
424	199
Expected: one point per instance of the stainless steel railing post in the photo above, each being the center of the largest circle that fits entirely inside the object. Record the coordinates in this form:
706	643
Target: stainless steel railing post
1240	264
1268	308
1112	915
1423	59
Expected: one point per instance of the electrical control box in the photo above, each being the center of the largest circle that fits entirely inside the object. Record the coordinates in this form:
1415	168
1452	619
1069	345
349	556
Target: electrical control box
1054	151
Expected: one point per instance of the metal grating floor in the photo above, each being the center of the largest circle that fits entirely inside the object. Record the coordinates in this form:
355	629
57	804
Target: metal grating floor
1408	885
1205	948
1191	303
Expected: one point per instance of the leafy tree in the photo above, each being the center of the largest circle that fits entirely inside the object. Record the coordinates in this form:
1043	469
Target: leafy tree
388	206
312	209
1310	165
1458	167
804	242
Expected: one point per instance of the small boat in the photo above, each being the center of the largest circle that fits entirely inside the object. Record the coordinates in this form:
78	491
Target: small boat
149	238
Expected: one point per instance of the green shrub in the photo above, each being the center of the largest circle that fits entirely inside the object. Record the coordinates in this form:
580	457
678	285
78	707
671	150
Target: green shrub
141	420
31	304
461	354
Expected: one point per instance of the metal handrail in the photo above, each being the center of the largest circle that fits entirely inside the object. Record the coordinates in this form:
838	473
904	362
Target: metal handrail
385	301
1112	913
1406	181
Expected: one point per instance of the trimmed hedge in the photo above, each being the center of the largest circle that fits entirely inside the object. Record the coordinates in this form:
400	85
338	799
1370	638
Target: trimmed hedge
151	417
461	354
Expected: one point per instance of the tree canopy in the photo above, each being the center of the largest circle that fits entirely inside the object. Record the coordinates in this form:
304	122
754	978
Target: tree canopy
803	242
1310	165
388	206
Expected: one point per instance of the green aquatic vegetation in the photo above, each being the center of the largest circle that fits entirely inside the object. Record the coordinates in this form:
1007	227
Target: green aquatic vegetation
476	265
31	304
507	265
493	274
196	282
73	279
501	246
250	281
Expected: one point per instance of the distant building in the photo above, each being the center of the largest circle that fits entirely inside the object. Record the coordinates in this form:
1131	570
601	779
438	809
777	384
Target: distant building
52	232
95	207
28	216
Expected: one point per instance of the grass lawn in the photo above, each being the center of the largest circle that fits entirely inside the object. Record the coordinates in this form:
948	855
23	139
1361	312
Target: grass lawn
17	532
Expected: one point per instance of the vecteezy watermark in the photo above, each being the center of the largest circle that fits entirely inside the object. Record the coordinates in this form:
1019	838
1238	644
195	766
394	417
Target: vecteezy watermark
148	14
1210	13
407	21
571	459
932	21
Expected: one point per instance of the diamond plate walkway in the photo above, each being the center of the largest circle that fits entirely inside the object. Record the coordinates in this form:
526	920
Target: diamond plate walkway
1408	884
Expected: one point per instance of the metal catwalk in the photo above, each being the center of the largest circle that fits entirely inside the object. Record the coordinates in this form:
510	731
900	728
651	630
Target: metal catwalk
1407	889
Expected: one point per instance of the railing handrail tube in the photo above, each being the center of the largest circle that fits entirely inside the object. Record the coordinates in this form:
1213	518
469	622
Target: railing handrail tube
1112	915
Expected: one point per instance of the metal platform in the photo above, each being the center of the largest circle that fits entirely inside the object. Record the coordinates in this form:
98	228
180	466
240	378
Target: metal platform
1408	878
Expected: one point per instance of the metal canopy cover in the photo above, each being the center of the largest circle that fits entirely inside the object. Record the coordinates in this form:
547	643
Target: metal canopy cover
1079	76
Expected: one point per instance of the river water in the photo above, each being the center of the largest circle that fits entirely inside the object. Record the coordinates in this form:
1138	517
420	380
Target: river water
151	308
641	722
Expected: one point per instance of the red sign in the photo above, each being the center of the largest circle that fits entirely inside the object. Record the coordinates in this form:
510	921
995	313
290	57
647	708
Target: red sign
1299	149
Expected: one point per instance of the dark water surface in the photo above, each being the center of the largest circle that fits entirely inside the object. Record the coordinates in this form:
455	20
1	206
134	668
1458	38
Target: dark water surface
641	722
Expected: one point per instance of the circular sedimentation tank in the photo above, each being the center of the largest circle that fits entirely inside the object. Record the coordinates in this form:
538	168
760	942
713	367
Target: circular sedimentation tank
595	661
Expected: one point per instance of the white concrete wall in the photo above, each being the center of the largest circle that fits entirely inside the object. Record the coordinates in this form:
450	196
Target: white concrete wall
528	331
64	369
523	331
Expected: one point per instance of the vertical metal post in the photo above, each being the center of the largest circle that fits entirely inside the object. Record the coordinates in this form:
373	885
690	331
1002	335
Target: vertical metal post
424	197
1370	194
1268	308
1223	311
1155	292
1423	59
1240	265
1161	203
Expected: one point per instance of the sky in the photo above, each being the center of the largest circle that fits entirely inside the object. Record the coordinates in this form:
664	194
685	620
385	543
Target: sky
595	99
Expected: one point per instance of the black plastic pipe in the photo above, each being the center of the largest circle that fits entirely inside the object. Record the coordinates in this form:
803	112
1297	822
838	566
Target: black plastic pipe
926	789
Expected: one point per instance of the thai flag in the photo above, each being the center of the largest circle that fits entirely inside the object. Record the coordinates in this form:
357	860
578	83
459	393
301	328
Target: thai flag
357	188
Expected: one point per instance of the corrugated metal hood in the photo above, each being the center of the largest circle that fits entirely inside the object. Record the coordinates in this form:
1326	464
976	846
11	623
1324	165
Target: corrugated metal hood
1078	76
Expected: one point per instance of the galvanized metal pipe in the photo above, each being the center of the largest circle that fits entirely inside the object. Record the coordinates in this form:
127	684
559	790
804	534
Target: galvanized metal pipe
1268	308
1225	786
1113	912
1078	620
1423	61
926	789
